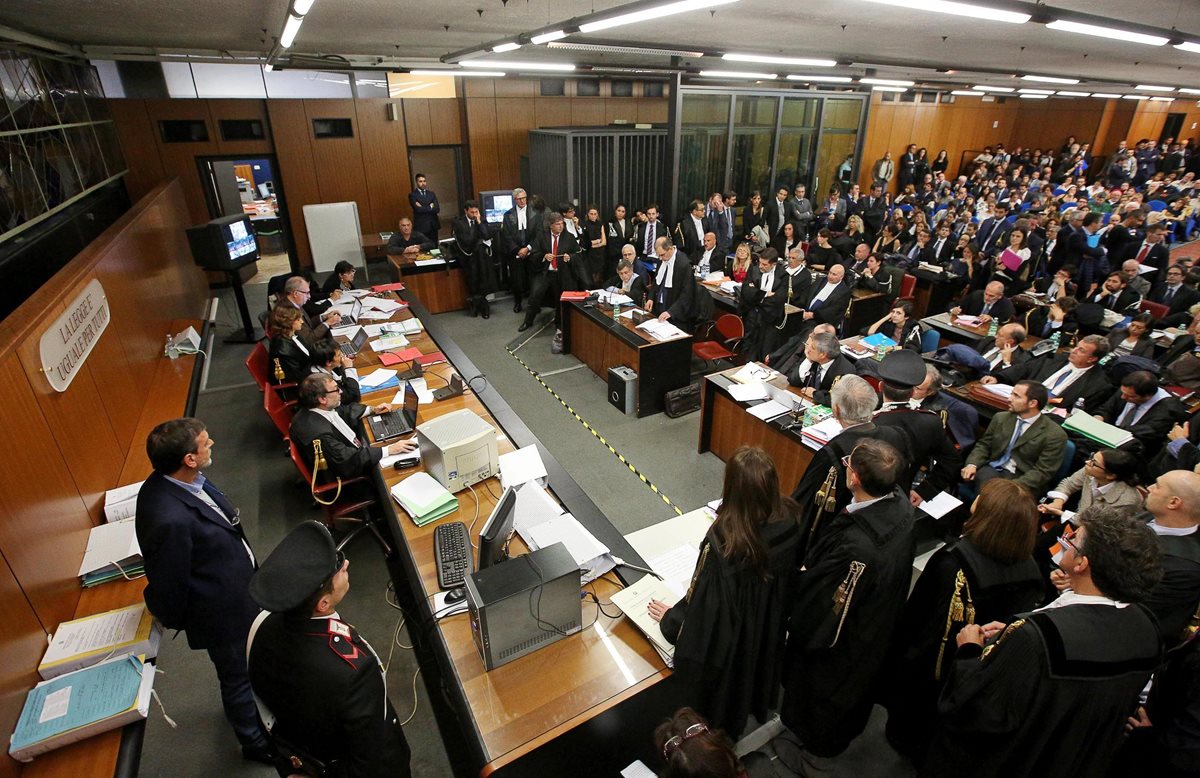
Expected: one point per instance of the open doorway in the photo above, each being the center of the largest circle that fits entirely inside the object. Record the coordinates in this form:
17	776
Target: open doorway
1172	127
250	185
442	166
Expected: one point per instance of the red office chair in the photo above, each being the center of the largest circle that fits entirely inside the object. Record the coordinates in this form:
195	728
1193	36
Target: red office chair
1157	310
908	285
259	365
281	412
339	508
730	331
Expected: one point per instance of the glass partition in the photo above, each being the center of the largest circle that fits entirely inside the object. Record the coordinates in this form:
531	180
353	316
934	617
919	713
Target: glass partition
836	153
753	136
703	147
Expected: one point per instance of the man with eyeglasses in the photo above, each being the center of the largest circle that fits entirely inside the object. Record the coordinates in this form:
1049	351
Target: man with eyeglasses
198	566
324	417
313	672
297	292
1074	668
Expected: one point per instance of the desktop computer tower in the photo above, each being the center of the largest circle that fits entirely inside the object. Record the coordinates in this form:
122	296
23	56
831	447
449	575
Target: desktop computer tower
622	389
524	603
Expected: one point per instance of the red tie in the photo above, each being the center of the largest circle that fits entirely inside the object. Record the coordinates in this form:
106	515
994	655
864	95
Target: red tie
554	252
1142	254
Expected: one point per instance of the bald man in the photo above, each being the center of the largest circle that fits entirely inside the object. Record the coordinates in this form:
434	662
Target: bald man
988	303
1173	512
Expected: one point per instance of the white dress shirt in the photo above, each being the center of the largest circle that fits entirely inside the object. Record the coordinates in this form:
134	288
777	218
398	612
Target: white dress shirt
339	424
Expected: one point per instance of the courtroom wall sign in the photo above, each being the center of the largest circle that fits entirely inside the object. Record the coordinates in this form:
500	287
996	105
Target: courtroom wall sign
69	340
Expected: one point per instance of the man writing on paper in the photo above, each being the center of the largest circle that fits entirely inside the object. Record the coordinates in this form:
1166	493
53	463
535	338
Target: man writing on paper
198	567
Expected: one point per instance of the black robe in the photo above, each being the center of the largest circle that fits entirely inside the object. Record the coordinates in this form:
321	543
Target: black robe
1049	696
959	586
475	256
848	597
729	630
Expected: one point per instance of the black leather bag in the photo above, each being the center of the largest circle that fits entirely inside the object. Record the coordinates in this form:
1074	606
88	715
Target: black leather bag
682	401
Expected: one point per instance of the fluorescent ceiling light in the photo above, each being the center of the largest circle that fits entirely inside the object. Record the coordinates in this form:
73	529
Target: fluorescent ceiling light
290	28
1107	95
609	49
968	93
1136	97
503	47
1187	91
959	9
886	82
682	6
737	74
546	37
888	89
1188	46
1004	89
517	65
300	7
1051	79
1036	91
1107	32
823	79
1162	99
1073	94
800	61
451	73
1033	97
1151	88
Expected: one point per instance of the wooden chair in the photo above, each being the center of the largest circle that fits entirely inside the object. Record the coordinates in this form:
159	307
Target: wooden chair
730	330
340	508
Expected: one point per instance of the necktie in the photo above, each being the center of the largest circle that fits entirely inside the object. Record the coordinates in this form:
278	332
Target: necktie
1060	380
779	222
1046	329
814	377
1141	257
986	308
649	238
937	248
1004	460
1112	302
1167	297
554	252
1127	415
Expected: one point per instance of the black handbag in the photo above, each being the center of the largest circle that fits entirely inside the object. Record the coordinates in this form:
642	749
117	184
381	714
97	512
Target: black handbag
682	401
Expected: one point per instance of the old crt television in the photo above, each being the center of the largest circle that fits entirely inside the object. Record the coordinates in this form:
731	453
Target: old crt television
227	243
459	449
495	204
523	603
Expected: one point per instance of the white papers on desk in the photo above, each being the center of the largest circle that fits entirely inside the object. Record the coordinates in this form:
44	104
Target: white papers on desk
729	287
1000	390
350	331
823	432
381	304
540	521
633	601
411	326
110	545
387	462
389	343
753	372
92	639
366	315
629	314
929	268
419	385
522	466
355	292
613	298
940	505
676	567
768	410
121	503
377	377
715	277
964	320
429	262
661	330
375	330
746	392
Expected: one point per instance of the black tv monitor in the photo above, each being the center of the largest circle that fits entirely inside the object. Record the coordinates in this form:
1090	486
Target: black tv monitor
493	538
226	243
495	204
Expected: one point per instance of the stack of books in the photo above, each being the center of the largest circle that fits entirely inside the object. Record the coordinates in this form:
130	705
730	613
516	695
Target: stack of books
121	503
424	499
112	552
1107	435
84	642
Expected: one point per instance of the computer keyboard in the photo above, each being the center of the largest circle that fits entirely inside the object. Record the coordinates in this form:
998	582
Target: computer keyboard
392	424
348	349
452	548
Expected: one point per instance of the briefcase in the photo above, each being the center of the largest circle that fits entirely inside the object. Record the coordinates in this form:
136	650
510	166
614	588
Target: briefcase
682	401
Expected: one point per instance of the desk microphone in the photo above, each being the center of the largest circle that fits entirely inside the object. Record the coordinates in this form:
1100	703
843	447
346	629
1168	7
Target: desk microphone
622	563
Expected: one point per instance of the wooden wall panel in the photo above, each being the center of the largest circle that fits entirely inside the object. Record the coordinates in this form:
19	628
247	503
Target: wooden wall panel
513	123
587	111
338	161
22	644
241	109
550	111
385	164
179	159
416	122
650	109
1148	120
516	87
1048	123
481	135
137	135
291	134
445	122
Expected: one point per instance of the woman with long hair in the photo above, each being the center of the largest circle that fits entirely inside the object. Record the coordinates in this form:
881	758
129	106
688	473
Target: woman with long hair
729	629
940	162
287	350
899	325
787	239
1133	339
619	231
592	237
739	264
986	575
753	215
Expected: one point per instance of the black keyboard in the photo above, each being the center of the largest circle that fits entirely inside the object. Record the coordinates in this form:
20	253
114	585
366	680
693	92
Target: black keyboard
389	425
452	548
348	349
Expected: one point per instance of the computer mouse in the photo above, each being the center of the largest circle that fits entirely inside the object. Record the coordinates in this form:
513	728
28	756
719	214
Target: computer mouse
457	594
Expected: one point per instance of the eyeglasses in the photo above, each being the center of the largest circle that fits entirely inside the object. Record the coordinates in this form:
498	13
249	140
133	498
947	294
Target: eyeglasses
339	560
1070	544
335	390
672	745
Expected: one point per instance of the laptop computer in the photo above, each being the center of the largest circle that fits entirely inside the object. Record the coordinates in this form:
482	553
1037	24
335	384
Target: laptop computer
351	317
393	424
355	344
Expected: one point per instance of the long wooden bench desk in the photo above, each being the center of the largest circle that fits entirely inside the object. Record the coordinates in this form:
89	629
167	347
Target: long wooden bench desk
596	692
441	287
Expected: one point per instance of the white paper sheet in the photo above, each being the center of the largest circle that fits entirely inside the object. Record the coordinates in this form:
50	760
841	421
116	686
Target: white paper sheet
768	410
376	377
941	504
747	392
676	567
520	466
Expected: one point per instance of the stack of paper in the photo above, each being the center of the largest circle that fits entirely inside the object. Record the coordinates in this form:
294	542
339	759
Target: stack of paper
541	522
1090	427
112	552
78	705
744	393
730	287
613	297
389	342
424	499
424	393
411	326
382	304
768	410
121	503
824	431
521	466
929	268
380	378
963	320
1000	390
632	600
753	372
661	330
350	331
87	641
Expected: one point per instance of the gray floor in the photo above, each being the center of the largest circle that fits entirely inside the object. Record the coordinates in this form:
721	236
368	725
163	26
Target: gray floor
250	466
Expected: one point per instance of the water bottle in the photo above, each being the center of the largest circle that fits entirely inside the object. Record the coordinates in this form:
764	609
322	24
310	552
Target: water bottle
170	352
993	326
1055	337
616	311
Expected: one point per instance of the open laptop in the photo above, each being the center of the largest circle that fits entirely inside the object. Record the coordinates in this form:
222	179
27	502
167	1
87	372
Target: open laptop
351	317
355	344
393	424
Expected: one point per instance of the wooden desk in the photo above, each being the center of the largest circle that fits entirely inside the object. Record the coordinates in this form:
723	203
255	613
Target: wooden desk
600	343
725	425
539	713
440	288
934	292
956	333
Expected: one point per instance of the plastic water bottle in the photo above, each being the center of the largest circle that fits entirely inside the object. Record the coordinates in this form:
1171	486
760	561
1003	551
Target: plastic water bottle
170	352
1055	337
992	328
616	311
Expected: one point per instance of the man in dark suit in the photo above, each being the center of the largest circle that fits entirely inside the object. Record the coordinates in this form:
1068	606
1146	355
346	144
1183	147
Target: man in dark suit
626	281
1145	409
822	366
942	249
800	211
987	303
472	241
908	162
777	212
827	302
1020	444
1173	293
720	223
425	208
1150	251
690	231
408	242
324	417
874	211
1121	236
990	236
1068	377
674	286
198	566
517	231
1115	295
1005	349
552	261
297	291
315	672
1080	252
648	232
760	304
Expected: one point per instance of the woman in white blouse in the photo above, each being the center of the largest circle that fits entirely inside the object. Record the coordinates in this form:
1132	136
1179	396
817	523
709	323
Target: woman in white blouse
1108	479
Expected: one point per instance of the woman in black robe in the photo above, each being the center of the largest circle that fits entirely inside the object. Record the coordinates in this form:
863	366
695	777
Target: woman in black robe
986	575
728	630
476	257
287	351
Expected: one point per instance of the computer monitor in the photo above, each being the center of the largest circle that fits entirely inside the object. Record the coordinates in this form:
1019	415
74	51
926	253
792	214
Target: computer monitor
494	536
495	204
